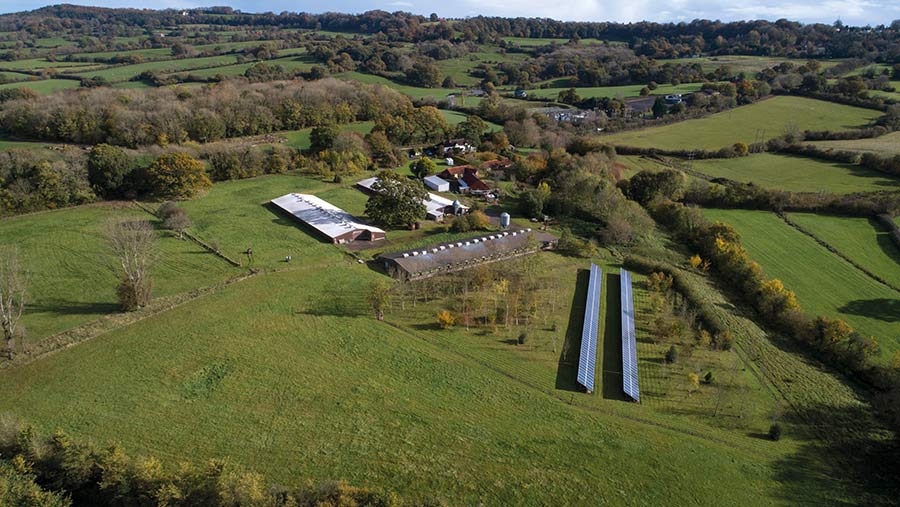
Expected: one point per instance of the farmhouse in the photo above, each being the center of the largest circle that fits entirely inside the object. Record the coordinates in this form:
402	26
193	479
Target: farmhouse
336	224
437	207
456	256
466	179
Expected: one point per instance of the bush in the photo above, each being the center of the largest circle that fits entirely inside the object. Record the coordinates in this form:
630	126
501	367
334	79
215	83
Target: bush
775	432
672	355
523	338
446	319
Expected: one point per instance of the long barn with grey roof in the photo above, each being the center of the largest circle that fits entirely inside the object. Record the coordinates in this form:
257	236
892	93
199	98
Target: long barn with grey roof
463	254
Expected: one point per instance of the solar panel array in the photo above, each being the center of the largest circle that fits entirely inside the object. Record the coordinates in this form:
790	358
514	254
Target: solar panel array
629	347
587	360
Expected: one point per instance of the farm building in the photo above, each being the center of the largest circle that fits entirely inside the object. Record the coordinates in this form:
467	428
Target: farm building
437	184
456	256
437	207
336	224
466	180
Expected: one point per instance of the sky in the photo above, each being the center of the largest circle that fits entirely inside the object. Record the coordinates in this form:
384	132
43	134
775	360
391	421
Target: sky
851	12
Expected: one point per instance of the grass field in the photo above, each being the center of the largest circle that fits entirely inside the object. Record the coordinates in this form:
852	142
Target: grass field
614	91
886	144
70	281
315	388
126	72
824	283
861	239
768	118
797	174
740	63
45	86
323	391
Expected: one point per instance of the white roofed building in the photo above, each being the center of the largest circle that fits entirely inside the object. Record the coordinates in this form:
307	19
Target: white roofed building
336	224
436	206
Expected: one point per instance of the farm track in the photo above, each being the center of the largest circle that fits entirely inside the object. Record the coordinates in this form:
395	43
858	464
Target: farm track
787	220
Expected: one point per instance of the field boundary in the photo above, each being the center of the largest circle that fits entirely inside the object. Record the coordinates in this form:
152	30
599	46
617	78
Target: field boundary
112	322
195	239
787	220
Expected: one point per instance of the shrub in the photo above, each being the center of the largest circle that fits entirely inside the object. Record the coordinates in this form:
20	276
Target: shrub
775	432
446	319
672	355
523	338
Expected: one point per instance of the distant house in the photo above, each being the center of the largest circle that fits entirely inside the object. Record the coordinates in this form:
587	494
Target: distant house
457	172
520	93
493	165
449	161
329	220
437	183
454	146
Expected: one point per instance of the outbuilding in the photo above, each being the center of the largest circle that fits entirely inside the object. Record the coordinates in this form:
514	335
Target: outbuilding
329	220
437	183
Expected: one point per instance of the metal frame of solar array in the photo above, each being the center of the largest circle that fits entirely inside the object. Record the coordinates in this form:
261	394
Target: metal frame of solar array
629	347
587	360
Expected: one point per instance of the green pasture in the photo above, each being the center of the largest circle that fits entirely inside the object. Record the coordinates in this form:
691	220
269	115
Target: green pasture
39	64
884	145
824	283
315	388
862	239
749	65
126	72
71	282
797	174
45	86
624	91
765	119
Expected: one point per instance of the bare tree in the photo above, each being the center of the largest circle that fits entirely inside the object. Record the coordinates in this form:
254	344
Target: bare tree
132	244
174	218
13	288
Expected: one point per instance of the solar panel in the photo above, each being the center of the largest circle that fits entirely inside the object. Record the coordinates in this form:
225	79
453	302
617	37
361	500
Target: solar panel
587	360
629	347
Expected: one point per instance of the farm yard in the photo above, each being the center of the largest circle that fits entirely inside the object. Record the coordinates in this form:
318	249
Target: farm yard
355	299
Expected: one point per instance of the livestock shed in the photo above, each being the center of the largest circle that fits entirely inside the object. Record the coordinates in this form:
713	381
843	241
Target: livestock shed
437	184
436	206
464	254
334	223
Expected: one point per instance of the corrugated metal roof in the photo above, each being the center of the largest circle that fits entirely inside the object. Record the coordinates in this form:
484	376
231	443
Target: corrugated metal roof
321	215
462	252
